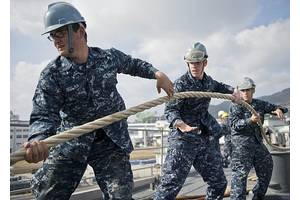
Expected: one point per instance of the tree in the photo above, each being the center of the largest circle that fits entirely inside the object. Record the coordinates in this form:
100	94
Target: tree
146	117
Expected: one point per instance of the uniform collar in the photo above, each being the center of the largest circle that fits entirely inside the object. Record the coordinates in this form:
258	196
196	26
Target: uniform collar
91	58
193	79
63	63
67	64
95	55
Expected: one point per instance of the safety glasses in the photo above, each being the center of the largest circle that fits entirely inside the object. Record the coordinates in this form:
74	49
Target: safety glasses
57	34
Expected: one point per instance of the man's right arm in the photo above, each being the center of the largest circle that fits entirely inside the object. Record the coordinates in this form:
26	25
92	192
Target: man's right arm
173	107
45	118
47	102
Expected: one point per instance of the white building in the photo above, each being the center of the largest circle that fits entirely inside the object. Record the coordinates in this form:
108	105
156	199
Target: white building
19	131
148	134
143	134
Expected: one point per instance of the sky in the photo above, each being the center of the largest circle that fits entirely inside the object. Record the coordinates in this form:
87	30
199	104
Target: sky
243	38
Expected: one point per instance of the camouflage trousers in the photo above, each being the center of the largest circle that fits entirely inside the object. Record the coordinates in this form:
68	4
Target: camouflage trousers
227	152
181	156
246	155
60	175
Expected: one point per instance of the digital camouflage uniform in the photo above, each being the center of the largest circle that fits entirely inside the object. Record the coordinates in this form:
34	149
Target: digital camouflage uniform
225	127
193	149
69	95
248	150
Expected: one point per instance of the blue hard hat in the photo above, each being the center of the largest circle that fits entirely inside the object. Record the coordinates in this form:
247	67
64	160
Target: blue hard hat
60	14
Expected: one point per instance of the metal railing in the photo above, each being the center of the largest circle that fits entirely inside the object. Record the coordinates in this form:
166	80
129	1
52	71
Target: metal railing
160	131
87	180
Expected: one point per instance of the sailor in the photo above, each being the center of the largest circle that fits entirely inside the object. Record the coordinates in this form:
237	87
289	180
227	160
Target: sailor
248	149
194	135
225	127
77	87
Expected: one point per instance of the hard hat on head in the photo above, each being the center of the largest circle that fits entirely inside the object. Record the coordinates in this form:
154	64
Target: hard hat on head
246	83
60	14
225	114
196	53
220	113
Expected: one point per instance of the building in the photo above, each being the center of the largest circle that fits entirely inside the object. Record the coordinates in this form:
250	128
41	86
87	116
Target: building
19	130
148	134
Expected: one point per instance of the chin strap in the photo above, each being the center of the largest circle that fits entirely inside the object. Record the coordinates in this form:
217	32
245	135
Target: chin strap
70	45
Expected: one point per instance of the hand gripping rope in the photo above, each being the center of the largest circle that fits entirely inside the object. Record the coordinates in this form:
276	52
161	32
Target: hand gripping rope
104	121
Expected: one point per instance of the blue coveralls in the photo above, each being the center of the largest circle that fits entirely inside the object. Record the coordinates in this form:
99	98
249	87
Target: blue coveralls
193	149
248	150
70	94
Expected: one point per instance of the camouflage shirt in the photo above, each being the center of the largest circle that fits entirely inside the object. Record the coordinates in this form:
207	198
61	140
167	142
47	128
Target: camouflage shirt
70	94
240	121
194	111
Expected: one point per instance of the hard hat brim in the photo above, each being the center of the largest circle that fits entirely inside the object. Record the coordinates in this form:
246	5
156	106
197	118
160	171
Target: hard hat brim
57	26
245	87
193	60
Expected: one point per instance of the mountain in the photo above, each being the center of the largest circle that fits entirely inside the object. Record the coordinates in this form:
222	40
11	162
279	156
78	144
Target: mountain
281	98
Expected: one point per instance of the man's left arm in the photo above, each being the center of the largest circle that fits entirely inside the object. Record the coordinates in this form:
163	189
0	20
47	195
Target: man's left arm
223	88
227	89
136	67
275	109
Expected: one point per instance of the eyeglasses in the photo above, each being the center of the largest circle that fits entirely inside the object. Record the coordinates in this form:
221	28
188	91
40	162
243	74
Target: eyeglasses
58	34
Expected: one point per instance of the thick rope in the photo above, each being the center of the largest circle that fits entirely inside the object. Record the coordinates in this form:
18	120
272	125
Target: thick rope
99	123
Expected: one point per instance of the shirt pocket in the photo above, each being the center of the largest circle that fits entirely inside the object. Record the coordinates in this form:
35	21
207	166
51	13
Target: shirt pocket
103	85
76	93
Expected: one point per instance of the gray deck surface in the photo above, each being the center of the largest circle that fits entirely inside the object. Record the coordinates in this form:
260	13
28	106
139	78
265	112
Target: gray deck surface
194	185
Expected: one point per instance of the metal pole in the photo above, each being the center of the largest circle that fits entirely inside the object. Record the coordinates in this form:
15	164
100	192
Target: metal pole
162	150
145	137
151	171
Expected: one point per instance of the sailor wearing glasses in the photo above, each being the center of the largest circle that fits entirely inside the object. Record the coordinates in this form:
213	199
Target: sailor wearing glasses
77	87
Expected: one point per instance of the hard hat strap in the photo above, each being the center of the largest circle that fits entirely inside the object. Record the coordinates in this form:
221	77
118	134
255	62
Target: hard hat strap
70	38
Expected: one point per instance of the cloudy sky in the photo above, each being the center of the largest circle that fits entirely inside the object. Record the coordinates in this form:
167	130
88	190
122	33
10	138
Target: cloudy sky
243	38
